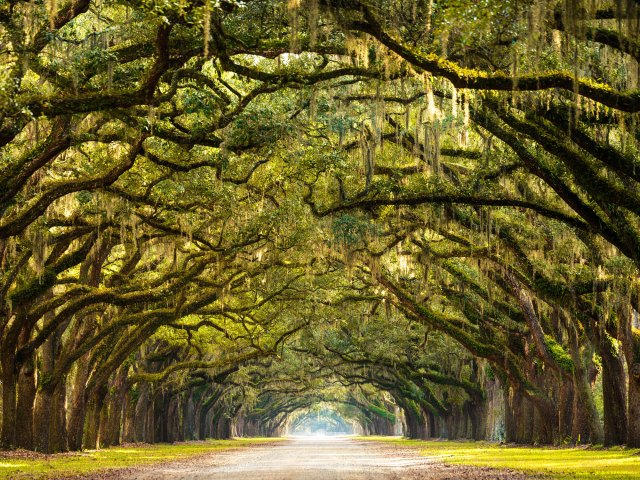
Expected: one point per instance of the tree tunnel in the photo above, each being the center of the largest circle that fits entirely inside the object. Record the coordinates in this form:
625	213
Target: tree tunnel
416	217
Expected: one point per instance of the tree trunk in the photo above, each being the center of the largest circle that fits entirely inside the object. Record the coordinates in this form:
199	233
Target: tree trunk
630	338
202	423
175	430
432	426
115	403
188	418
58	433
160	418
513	401
42	419
586	424
223	427
141	412
477	411
93	417
75	425
633	431
533	425
416	425
565	409
614	396
149	421
25	404
633	395
129	417
8	438
102	439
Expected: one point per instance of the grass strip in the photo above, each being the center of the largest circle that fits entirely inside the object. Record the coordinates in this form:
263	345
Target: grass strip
595	463
23	464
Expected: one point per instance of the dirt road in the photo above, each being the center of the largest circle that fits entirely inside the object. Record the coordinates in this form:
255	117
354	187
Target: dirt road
315	458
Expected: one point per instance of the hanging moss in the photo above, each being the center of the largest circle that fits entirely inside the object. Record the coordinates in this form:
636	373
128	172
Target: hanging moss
562	358
489	373
350	230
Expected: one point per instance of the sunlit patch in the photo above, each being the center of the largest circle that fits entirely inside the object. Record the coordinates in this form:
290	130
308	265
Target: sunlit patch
321	420
12	465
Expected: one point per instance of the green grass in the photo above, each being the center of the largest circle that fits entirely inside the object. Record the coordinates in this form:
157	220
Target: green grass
26	465
561	463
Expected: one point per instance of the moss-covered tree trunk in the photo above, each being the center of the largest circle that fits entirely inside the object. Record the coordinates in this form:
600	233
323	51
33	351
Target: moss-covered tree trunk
42	421
141	412
586	427
93	416
115	403
49	420
77	407
49	417
103	439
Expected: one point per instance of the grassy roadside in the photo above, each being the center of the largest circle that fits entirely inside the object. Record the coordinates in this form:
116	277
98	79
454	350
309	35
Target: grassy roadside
29	465
559	463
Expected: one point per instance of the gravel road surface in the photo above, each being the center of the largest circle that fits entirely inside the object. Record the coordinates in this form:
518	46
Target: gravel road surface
314	458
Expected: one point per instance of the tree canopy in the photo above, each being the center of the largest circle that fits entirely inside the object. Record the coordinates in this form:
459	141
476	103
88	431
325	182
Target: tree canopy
216	216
